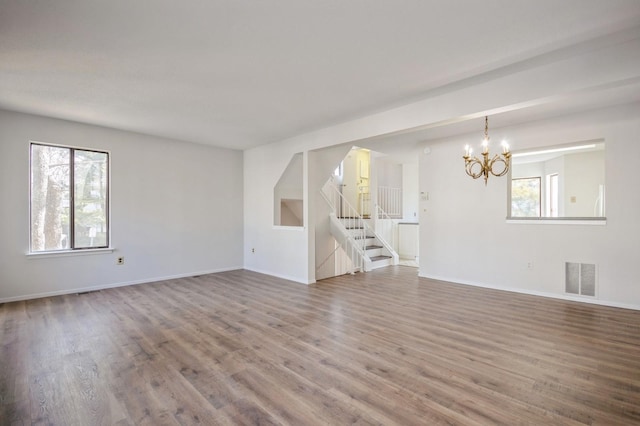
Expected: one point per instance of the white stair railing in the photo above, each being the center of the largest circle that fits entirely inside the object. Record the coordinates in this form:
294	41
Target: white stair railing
349	234
353	224
364	201
390	200
351	247
385	226
350	217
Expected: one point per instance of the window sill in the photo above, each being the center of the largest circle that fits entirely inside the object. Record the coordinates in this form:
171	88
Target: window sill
595	221
65	253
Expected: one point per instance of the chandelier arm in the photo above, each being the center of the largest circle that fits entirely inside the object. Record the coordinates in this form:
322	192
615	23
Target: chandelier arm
470	163
499	159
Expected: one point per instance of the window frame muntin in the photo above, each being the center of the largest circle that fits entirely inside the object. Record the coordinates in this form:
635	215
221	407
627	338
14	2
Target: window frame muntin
108	246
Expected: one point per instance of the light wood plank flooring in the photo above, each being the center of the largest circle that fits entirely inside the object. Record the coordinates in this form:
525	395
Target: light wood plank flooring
384	348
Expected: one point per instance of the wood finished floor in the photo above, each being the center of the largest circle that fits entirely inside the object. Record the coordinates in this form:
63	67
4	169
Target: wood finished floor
384	347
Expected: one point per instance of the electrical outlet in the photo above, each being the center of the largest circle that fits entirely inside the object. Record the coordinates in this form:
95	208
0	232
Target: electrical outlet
253	250
529	265
120	260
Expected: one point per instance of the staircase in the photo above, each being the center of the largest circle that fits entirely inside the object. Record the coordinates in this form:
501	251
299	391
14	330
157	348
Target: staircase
374	249
353	233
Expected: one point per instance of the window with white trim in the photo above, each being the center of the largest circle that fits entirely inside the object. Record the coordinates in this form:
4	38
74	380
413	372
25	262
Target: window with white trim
69	198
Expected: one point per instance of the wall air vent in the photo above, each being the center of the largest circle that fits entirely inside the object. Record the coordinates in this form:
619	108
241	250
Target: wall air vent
580	278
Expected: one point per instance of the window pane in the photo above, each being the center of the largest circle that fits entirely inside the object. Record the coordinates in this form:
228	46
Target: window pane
90	199
49	198
525	197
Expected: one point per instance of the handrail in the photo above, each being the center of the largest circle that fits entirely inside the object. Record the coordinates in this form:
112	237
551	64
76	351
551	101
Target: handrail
355	227
382	227
351	246
390	200
355	220
352	250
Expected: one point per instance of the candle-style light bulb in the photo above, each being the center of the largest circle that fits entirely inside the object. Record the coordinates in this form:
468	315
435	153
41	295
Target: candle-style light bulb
485	146
505	147
467	150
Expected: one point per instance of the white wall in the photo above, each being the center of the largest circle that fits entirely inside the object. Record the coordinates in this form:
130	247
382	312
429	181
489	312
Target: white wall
584	173
176	209
410	192
465	238
389	173
276	250
528	170
289	187
323	163
537	82
351	180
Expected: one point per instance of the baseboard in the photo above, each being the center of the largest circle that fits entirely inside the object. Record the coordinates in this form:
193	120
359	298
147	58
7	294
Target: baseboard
539	293
113	285
284	277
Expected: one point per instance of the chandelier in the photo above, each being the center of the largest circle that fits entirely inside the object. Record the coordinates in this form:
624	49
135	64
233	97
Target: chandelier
477	167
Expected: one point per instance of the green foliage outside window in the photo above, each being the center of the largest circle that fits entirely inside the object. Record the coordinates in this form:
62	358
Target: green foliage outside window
525	197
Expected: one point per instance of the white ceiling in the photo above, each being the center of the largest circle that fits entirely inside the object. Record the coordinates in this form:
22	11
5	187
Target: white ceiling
402	147
239	73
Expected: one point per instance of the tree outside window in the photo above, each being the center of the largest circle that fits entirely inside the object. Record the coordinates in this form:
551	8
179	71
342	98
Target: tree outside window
525	197
69	198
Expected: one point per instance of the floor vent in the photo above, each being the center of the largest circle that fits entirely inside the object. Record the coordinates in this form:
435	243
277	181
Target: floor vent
580	278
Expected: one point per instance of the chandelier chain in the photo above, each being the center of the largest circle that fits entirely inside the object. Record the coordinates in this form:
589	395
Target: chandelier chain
486	127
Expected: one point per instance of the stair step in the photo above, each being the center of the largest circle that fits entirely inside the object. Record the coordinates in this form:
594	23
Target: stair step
354	227
372	247
374	258
373	252
358	237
